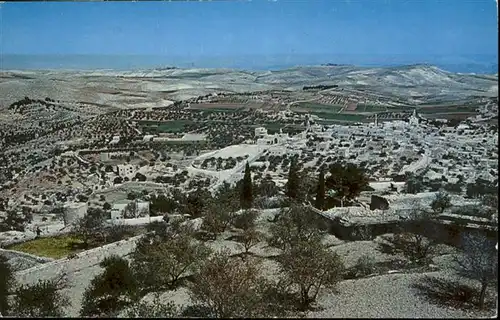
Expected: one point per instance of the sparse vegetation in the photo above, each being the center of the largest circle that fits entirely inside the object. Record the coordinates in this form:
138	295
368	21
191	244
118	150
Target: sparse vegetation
479	261
311	266
41	300
6	283
51	247
109	292
160	261
230	288
441	202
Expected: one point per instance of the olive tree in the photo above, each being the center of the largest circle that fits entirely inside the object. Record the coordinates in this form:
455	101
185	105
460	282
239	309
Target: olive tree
310	266
41	300
479	261
228	288
293	224
110	291
90	225
217	217
6	284
441	202
153	309
159	262
411	240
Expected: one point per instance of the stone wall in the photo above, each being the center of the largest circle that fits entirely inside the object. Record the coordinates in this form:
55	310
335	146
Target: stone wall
80	261
22	261
447	233
11	254
78	271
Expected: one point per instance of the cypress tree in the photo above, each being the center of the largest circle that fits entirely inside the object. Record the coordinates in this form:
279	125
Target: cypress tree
320	195
292	190
246	190
6	281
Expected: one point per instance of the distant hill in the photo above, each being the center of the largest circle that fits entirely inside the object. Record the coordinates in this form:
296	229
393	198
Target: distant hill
422	82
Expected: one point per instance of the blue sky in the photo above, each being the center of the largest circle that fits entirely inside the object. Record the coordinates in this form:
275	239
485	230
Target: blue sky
258	27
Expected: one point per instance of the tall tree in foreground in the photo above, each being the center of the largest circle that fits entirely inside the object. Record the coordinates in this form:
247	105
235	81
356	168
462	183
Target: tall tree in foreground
90	225
293	183
347	181
41	300
320	194
232	288
6	282
293	225
479	261
159	262
111	291
154	309
310	266
246	190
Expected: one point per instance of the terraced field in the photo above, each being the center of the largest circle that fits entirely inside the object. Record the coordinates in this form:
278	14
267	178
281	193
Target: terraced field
171	126
315	107
371	108
445	109
332	117
218	107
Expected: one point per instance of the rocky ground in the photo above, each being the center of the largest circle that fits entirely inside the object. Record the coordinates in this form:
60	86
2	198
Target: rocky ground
389	294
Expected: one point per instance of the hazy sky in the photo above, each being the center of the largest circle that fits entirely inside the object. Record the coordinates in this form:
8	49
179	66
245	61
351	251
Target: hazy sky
423	27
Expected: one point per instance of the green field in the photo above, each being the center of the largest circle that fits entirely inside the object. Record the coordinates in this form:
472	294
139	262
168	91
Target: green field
371	108
212	110
316	107
51	247
451	109
340	116
166	126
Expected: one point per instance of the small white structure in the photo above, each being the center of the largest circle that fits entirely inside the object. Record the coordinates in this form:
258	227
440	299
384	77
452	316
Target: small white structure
325	145
74	211
115	140
148	137
125	170
104	156
316	128
414	119
260	132
277	151
194	137
118	209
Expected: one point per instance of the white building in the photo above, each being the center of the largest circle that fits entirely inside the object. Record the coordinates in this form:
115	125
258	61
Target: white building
316	128
104	156
325	145
118	209
126	170
74	211
277	150
260	132
115	140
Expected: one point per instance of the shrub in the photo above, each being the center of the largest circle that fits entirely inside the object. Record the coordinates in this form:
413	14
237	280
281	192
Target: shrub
246	219
365	266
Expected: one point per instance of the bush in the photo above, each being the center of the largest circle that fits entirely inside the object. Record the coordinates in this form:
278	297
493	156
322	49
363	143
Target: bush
449	293
109	292
232	288
365	266
441	202
154	309
6	283
160	261
246	219
41	300
310	266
